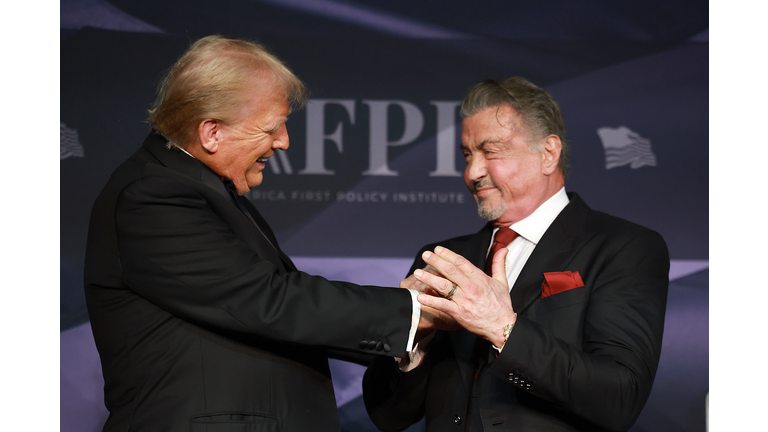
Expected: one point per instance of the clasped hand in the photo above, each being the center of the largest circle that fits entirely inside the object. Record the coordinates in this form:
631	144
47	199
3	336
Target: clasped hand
481	304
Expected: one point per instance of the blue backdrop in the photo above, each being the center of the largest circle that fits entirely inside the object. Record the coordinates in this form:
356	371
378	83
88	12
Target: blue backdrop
377	146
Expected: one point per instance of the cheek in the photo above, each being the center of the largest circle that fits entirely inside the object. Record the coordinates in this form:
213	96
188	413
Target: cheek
507	179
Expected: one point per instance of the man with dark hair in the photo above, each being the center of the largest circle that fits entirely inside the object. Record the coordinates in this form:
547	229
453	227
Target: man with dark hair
201	322
559	309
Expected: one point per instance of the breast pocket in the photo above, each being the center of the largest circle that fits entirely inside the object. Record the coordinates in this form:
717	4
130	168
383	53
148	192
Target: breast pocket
563	314
562	300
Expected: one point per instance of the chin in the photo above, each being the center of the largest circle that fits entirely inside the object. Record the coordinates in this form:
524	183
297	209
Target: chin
252	183
490	212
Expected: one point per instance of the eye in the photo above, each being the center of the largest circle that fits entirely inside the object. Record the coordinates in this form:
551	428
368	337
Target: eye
276	129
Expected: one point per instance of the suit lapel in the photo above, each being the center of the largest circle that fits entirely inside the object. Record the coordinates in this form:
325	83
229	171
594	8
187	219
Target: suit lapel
557	248
179	161
267	231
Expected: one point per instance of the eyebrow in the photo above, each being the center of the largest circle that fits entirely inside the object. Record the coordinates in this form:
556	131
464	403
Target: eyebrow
482	145
277	124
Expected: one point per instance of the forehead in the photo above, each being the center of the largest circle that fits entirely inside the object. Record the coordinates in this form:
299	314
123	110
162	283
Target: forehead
264	87
266	99
500	123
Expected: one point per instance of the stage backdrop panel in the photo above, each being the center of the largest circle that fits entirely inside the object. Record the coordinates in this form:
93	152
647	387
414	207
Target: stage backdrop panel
374	171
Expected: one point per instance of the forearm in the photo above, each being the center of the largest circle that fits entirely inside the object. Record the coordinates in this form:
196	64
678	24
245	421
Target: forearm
179	254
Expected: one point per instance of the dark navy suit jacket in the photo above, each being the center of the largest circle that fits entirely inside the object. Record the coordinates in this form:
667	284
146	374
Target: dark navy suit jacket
580	360
202	324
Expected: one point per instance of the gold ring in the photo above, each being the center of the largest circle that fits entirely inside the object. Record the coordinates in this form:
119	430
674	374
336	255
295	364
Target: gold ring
451	293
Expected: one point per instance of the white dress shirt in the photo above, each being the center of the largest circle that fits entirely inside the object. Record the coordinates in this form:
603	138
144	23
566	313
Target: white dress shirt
530	231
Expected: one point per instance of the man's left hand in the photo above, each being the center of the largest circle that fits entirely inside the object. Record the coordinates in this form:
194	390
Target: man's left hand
481	304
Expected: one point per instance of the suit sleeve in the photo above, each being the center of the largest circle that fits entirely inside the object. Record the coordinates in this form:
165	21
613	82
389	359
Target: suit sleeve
606	376
394	399
178	252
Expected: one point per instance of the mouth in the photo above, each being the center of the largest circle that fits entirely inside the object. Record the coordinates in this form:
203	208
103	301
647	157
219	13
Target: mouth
261	162
483	187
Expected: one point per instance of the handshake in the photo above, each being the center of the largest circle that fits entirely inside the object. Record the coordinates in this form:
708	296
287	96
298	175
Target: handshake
454	293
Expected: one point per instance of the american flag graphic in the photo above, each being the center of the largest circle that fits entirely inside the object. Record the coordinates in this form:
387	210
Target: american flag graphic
70	144
624	147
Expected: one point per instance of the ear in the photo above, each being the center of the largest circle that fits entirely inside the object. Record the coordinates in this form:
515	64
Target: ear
209	132
550	154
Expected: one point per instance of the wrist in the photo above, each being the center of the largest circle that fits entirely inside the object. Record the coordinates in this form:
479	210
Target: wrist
501	336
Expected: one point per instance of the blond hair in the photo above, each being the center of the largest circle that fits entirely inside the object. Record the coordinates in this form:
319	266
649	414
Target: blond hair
208	82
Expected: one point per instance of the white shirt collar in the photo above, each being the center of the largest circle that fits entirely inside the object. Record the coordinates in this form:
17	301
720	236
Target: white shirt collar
190	154
533	227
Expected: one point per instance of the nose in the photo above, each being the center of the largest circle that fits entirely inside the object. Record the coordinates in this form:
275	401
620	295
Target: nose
281	139
476	169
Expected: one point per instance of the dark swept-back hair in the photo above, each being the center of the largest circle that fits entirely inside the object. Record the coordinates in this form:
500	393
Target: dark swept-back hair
537	108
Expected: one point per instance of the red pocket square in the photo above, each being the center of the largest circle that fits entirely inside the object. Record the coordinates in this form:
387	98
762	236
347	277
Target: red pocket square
557	282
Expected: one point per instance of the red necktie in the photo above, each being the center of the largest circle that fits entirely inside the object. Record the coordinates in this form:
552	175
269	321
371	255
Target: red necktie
504	236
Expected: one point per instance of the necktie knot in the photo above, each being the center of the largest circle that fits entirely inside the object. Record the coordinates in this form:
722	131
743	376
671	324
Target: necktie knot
504	236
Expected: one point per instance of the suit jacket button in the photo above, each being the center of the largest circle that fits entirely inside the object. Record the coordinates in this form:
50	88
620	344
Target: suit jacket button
457	420
371	345
387	348
379	346
510	376
363	344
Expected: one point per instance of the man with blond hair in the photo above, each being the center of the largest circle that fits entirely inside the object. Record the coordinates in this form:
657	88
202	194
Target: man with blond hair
201	322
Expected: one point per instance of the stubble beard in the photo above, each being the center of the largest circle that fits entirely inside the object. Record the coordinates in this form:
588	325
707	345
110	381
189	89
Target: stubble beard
489	212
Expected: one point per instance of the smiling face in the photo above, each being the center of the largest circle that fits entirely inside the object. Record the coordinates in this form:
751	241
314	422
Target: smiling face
239	151
508	178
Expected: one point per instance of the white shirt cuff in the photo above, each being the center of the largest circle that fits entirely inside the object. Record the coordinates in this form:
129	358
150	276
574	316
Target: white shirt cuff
415	315
415	356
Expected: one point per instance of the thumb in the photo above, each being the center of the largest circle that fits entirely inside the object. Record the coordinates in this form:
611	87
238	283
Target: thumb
498	266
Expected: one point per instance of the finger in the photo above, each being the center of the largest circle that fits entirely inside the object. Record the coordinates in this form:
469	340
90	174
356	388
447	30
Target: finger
450	256
438	303
411	283
445	268
441	285
429	268
466	271
499	266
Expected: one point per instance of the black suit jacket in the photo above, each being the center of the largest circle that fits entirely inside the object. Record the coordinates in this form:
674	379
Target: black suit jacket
583	359
201	324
